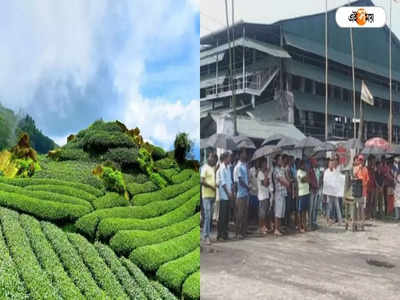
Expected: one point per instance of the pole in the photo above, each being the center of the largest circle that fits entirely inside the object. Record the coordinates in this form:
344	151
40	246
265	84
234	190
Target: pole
326	70
216	80
235	132
354	83
230	66
244	62
390	76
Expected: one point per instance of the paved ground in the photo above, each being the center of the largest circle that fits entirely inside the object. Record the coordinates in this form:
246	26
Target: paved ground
330	263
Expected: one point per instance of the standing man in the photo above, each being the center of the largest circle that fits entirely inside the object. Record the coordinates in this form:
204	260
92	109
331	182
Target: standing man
208	185
371	191
264	196
241	179
281	186
313	175
361	172
379	183
225	196
304	195
332	201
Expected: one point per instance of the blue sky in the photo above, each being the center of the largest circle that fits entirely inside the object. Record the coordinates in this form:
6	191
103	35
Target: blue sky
68	63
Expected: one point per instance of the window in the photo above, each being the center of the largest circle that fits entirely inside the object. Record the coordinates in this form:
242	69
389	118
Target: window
308	86
337	92
320	89
296	82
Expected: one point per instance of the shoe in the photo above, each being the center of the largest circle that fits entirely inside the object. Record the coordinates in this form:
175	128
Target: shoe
277	233
208	241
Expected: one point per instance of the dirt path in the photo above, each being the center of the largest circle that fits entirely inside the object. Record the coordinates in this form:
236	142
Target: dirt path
330	263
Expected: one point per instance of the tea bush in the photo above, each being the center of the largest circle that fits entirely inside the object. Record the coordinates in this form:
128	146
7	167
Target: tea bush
125	241
166	193
130	286
87	224
174	273
72	262
63	190
110	200
36	281
137	188
100	271
191	287
23	182
47	210
150	258
110	226
48	259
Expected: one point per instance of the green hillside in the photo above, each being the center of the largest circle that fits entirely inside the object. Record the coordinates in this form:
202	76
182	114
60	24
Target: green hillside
112	211
11	126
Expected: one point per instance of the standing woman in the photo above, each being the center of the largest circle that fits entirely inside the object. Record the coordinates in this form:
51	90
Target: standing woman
396	175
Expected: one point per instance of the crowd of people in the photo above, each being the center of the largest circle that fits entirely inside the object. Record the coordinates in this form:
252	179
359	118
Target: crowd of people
288	192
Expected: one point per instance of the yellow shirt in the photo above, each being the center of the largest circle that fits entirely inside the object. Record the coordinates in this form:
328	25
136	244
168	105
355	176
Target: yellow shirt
208	176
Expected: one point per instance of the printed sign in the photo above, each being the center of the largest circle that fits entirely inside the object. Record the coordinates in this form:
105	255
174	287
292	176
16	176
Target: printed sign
334	184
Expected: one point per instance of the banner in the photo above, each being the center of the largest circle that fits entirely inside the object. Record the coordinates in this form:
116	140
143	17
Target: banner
334	184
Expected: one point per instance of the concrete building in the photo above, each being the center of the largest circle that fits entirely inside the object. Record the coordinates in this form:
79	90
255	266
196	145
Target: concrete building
279	77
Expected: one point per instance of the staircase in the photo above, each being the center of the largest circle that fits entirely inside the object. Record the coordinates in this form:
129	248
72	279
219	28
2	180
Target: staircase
254	84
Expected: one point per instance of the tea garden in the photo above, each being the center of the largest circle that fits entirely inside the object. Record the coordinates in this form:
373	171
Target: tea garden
107	216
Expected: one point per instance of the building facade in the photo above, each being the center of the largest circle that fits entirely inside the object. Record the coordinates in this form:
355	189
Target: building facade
279	74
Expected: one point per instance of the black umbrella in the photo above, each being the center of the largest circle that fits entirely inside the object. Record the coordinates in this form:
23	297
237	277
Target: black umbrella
265	150
373	151
308	142
243	141
273	139
219	140
324	147
247	144
287	142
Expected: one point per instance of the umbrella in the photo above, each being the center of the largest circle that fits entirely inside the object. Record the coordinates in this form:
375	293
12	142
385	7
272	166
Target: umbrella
219	140
394	149
287	142
373	151
377	142
308	142
325	147
247	144
273	139
244	142
265	150
352	144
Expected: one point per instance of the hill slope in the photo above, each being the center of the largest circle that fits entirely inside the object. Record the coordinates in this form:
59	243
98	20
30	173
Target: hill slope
11	126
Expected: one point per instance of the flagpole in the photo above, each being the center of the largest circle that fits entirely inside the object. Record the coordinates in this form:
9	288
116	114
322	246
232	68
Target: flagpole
390	76
326	70
354	85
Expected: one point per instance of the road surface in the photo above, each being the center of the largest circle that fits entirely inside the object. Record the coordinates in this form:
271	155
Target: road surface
330	263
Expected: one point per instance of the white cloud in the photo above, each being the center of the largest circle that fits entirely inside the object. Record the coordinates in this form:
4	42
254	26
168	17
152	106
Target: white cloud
53	45
60	140
161	120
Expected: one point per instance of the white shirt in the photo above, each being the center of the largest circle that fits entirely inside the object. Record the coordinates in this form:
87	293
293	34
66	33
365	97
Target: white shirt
263	191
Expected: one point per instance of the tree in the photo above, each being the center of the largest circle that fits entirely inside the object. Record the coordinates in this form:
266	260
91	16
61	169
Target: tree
183	146
39	141
4	133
